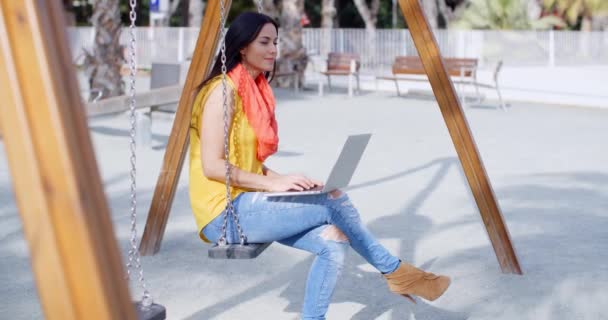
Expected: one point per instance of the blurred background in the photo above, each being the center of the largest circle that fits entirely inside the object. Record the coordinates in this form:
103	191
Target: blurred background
553	51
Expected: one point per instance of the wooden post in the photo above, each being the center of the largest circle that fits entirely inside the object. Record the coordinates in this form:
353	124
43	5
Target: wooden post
177	146
74	254
458	128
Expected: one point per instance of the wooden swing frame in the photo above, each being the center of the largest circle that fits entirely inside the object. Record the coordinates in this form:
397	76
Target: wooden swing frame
445	94
59	193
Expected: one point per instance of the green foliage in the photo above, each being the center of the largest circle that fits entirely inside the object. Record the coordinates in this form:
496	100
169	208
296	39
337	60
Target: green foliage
385	15
240	6
573	10
348	15
502	15
313	10
83	10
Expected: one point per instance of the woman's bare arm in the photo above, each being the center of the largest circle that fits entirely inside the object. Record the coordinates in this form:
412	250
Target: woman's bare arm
212	144
212	152
269	173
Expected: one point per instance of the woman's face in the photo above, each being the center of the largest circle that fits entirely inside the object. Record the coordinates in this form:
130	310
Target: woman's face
259	55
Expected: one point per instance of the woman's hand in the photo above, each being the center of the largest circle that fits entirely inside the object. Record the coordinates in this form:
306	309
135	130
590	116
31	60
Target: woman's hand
291	182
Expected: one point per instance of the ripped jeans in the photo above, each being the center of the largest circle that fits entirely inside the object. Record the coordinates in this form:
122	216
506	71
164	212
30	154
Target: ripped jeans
299	222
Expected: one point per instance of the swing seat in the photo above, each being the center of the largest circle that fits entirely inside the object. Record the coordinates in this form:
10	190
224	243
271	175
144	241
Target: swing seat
237	251
153	312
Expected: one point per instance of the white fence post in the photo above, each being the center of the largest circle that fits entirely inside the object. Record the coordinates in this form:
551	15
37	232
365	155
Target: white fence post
404	34
180	45
151	33
551	48
461	45
481	43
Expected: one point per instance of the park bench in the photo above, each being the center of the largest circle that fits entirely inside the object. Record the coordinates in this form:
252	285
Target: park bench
462	71
342	64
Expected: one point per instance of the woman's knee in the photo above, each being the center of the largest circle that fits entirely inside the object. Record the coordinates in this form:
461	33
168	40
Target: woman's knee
342	206
335	244
336	194
339	197
333	233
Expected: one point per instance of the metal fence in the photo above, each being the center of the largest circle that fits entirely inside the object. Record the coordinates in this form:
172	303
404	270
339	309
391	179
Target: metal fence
514	48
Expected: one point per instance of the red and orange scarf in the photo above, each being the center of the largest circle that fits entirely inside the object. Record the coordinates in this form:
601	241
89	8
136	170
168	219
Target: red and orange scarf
258	105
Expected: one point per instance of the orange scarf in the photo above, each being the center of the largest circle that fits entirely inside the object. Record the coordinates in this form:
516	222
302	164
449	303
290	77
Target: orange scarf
258	105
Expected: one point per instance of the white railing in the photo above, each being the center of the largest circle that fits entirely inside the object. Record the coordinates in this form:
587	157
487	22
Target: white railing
514	48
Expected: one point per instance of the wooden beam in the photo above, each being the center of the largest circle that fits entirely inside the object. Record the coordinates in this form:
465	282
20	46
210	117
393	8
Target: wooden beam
202	61
461	135
74	254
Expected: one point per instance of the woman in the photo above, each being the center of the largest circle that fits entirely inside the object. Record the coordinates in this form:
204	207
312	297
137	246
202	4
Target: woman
325	224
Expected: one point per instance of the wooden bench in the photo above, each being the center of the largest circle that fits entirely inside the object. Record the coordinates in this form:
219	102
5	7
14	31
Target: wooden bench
462	70
342	64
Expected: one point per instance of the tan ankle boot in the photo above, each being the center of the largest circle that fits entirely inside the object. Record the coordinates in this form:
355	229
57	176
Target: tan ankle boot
408	279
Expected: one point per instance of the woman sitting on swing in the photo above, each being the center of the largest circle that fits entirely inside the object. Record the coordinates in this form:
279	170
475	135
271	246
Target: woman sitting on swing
324	224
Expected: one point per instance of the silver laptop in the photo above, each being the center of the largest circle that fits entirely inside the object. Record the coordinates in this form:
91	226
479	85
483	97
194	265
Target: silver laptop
343	169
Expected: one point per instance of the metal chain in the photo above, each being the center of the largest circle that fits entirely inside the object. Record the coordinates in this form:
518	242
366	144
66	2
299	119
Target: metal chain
134	257
229	204
229	211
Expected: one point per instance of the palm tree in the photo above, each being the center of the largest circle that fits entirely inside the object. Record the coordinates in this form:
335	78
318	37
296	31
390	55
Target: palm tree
430	8
574	10
449	11
370	18
195	12
368	14
328	13
103	65
502	14
328	16
293	55
271	8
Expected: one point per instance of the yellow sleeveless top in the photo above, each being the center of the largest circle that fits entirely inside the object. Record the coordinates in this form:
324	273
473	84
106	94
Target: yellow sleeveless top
208	197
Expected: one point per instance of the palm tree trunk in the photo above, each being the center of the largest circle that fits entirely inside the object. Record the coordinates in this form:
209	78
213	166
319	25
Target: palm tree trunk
269	8
195	9
431	11
104	64
293	54
328	13
370	17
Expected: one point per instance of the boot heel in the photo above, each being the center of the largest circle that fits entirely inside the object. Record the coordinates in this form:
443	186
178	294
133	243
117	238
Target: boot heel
408	280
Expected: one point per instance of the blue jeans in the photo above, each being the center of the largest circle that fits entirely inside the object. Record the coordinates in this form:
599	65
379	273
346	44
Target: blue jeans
299	222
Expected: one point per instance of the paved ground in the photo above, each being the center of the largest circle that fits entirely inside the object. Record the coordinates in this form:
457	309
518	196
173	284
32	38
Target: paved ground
548	167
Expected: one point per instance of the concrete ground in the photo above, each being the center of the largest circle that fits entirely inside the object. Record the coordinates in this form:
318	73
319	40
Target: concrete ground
547	165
